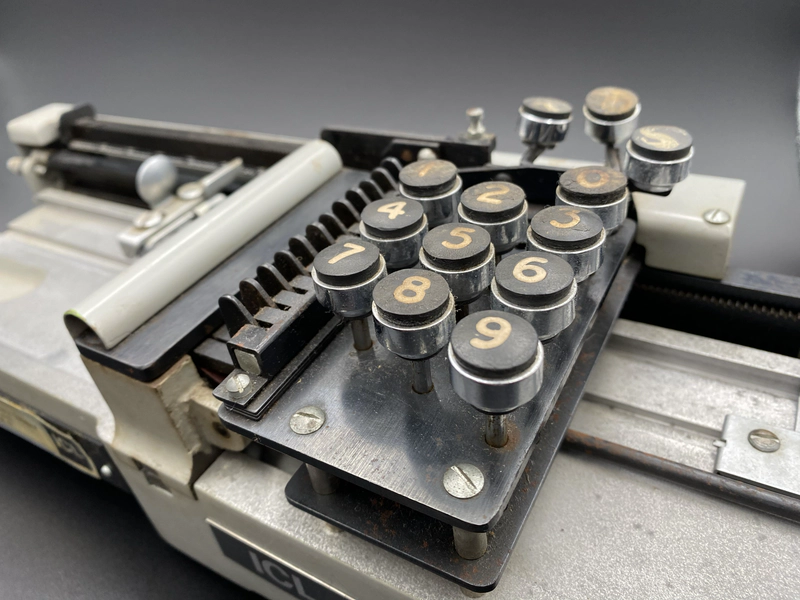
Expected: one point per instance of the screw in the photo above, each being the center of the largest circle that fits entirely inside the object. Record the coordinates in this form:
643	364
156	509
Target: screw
307	420
463	481
764	440
426	154
716	216
148	219
106	471
238	385
476	128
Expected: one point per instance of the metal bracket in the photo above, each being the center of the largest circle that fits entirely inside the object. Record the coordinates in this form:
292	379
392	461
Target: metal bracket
760	453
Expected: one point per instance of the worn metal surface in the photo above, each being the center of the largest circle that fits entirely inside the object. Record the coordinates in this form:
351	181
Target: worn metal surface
426	541
751	496
384	437
758	452
597	530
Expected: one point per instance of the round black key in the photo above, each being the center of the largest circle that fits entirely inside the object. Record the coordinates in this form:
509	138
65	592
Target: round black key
534	279
492	201
593	185
494	344
348	262
412	297
393	217
566	228
426	178
611	103
547	108
456	246
662	142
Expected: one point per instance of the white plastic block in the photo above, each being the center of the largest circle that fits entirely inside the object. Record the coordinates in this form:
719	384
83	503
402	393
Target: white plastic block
37	128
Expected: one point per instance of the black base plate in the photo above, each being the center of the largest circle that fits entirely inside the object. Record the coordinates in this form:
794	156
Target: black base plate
428	542
382	436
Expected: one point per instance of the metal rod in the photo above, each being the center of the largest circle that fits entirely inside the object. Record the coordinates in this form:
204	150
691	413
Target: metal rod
712	484
462	310
121	305
470	544
323	483
531	154
496	431
362	340
612	158
422	381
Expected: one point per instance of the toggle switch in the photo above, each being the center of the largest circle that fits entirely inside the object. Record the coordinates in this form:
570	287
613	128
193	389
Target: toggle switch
414	314
574	234
396	226
539	287
345	274
496	365
601	190
436	185
500	208
463	254
657	157
612	114
543	122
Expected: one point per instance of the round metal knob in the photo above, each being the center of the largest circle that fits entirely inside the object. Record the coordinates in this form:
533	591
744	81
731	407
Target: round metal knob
344	275
611	114
543	122
396	226
496	365
575	234
500	208
414	313
435	184
657	157
463	255
539	287
601	190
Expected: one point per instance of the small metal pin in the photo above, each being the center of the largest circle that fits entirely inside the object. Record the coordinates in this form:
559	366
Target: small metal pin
496	431
422	380
362	340
323	483
426	154
716	216
307	420
476	128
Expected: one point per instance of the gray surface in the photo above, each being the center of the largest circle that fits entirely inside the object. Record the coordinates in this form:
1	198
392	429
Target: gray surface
725	71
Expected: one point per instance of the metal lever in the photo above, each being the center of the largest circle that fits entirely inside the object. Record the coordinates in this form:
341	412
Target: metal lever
212	183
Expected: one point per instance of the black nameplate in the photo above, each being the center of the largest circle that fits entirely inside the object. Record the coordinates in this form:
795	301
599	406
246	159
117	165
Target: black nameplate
272	569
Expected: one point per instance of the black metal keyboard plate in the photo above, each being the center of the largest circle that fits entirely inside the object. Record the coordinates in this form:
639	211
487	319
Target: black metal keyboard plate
382	436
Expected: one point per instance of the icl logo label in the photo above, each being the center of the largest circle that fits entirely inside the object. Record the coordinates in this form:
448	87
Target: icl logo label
279	576
272	569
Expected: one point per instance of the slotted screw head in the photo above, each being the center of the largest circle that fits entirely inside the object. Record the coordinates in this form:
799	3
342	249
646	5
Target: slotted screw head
238	385
307	420
716	216
764	440
463	481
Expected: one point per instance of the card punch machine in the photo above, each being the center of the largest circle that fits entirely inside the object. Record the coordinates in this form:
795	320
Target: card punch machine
343	368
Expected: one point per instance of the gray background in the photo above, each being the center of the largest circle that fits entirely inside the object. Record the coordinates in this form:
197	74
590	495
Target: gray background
726	71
